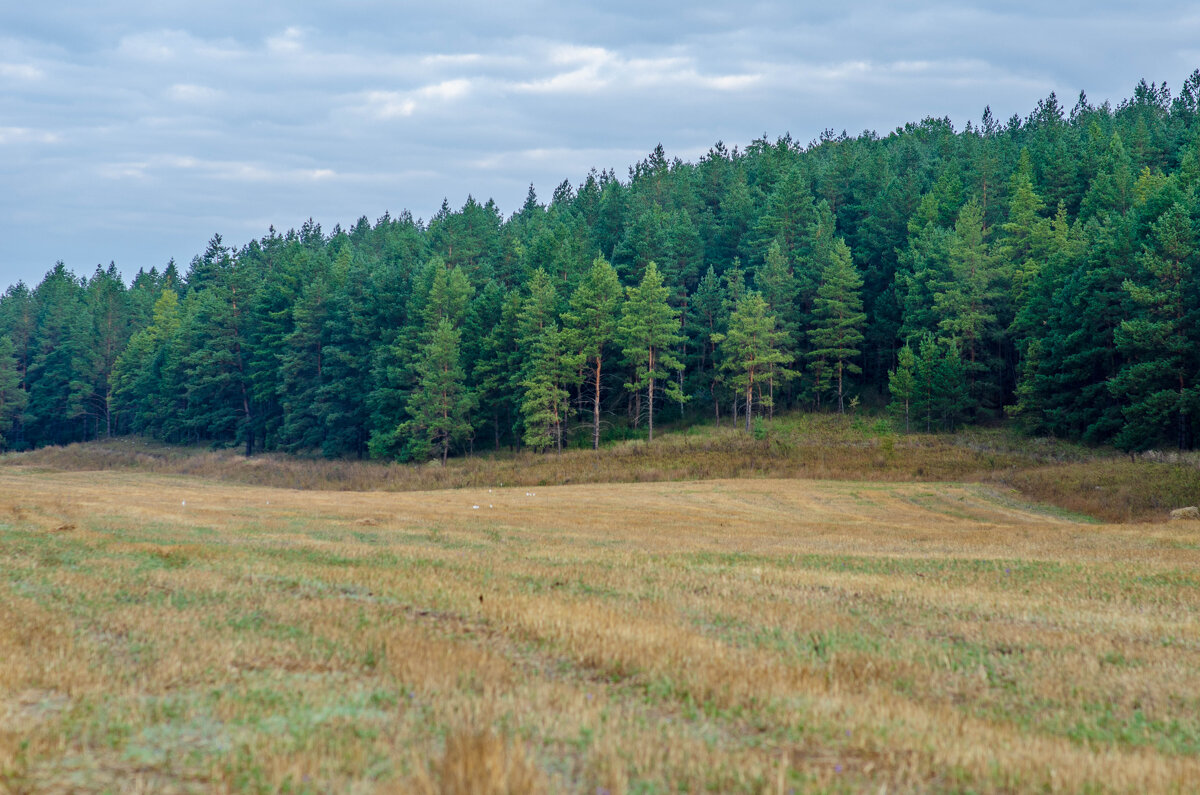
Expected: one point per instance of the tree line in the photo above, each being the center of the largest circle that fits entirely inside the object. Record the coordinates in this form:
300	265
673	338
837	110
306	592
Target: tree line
1042	269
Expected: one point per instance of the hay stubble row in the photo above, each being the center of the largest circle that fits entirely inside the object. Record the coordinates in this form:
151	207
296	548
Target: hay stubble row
176	634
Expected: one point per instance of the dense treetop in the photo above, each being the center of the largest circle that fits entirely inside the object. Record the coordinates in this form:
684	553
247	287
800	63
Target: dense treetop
1046	268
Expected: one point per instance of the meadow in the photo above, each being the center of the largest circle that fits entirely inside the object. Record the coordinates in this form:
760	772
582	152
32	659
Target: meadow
166	632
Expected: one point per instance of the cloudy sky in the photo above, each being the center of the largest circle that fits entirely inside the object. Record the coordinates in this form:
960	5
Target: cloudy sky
132	131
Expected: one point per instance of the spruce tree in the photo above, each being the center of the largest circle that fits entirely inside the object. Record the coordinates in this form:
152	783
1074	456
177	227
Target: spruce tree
838	318
1159	380
441	404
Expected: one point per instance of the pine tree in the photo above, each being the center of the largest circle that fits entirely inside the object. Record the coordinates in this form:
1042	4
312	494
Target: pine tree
788	218
548	366
708	317
940	388
965	303
108	303
341	400
62	367
1022	243
649	331
12	396
902	383
779	288
302	364
924	265
1111	192
753	350
497	371
838	318
1158	382
591	325
441	404
147	377
219	404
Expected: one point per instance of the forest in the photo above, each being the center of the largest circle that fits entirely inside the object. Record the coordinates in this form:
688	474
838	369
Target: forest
1042	271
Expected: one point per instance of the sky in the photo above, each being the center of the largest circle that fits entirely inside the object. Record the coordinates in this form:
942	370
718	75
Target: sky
134	131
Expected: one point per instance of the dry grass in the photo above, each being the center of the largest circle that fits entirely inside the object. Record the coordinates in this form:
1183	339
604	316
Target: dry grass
1116	490
1087	481
173	634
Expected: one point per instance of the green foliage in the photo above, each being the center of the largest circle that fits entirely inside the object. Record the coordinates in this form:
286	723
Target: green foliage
547	366
12	396
1055	255
836	335
902	384
940	398
440	405
590	325
648	331
752	352
1162	343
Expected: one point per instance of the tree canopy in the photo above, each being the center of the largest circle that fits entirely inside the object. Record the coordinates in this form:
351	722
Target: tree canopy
1047	269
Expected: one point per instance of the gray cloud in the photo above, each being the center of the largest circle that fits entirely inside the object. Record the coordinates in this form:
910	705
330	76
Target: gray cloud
133	131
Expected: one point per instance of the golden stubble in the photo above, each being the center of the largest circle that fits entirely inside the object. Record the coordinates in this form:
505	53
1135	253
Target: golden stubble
172	633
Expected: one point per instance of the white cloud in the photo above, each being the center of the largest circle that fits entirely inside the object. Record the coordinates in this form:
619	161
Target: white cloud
26	135
401	104
446	90
599	69
156	46
191	93
20	71
451	59
287	42
388	104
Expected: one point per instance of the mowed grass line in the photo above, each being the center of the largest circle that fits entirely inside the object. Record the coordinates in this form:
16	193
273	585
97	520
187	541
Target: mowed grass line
176	634
1075	479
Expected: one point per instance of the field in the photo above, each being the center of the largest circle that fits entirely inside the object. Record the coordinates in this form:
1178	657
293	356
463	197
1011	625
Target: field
166	633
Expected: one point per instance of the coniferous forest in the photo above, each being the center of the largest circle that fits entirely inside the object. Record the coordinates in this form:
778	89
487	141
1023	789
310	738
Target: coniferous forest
1042	270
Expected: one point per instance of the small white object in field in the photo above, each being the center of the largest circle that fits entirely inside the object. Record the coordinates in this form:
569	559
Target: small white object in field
489	505
475	507
1191	512
183	503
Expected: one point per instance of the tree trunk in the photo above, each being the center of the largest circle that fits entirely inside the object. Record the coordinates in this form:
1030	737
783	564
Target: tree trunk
650	408
841	402
1182	416
596	409
650	393
749	401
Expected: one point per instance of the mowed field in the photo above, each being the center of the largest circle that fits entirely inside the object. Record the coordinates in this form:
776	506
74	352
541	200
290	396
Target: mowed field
171	634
